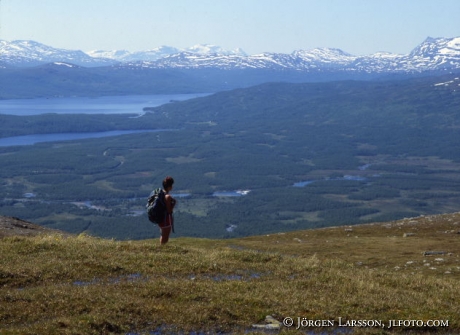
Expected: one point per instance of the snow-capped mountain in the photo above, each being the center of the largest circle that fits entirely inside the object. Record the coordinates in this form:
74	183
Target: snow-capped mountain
31	53
431	55
164	51
126	56
209	49
437	53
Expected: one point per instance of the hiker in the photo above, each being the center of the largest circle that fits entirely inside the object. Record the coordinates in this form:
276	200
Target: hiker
168	224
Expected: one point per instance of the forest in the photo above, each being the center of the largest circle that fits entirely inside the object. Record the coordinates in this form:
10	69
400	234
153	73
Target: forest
309	155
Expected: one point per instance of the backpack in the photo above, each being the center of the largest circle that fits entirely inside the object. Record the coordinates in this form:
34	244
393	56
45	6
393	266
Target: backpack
156	206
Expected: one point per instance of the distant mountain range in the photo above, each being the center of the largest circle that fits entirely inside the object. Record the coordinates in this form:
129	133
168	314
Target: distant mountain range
30	69
162	52
434	54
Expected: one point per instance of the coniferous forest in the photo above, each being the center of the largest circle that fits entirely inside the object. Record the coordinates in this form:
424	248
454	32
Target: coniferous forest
309	155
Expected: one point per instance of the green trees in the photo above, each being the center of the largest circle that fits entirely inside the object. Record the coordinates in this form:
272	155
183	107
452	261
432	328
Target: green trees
262	139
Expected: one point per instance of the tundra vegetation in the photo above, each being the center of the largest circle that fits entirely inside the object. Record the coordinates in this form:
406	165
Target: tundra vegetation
55	283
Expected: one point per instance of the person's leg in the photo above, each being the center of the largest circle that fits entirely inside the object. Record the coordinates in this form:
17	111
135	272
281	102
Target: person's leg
166	228
164	238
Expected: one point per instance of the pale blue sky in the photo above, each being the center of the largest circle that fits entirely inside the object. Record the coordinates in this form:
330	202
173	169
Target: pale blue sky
359	27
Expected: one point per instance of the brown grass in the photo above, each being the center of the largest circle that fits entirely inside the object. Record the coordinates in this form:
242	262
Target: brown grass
56	284
378	246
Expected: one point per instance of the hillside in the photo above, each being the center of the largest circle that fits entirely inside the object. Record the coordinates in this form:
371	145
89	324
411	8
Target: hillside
308	155
16	227
339	279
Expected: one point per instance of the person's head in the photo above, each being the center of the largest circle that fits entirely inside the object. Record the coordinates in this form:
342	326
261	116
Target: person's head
168	183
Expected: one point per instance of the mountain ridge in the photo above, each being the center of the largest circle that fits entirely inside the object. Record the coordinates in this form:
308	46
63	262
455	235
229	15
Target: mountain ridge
433	54
13	226
27	53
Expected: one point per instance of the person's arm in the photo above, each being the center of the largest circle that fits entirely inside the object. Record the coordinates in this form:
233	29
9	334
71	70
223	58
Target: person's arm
170	202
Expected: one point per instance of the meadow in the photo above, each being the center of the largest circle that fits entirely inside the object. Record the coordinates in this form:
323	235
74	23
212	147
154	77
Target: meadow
362	279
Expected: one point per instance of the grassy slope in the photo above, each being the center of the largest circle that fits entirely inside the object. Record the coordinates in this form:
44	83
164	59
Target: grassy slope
56	284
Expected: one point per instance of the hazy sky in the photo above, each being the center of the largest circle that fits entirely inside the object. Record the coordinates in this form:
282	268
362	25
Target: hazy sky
359	27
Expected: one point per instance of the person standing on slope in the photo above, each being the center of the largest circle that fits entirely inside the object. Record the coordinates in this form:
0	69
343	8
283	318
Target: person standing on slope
168	224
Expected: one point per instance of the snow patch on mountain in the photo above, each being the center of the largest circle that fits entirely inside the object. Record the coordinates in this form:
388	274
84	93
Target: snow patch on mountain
65	64
455	81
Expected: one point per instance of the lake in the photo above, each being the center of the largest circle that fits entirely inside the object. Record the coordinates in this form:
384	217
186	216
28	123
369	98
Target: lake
39	138
346	177
130	104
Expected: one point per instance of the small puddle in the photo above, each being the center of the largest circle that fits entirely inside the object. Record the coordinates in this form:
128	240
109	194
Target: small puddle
225	277
129	278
